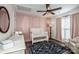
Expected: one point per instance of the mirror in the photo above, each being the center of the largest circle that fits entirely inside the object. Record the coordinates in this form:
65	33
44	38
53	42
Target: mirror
4	20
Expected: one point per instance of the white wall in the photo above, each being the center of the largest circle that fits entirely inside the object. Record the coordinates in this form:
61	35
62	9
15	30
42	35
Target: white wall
11	10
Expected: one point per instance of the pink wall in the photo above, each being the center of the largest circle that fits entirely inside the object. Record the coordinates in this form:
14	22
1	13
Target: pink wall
24	22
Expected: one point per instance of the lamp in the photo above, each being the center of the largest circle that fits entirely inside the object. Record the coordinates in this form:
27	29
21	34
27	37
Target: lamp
18	32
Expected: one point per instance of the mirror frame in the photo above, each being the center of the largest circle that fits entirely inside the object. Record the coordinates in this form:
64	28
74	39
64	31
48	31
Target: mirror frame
2	7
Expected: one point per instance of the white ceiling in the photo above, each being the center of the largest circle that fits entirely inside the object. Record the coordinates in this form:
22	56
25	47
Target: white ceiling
65	7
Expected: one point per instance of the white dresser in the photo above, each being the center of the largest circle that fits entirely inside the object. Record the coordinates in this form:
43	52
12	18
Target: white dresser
18	47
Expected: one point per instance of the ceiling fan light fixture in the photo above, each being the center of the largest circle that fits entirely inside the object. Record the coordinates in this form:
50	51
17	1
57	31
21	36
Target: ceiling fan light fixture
48	10
48	15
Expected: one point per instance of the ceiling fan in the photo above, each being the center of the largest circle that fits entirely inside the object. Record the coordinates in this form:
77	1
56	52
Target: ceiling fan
49	10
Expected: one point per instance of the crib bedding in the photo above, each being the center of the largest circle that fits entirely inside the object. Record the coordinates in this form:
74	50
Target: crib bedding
48	48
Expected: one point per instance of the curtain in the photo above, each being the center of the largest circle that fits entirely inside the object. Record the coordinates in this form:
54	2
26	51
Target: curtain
58	29
74	21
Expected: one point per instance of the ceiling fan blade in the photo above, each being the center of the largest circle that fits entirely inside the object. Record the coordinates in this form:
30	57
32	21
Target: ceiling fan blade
44	14
41	11
56	9
52	13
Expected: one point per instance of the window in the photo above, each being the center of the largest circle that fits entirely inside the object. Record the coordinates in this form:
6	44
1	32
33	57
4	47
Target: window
66	28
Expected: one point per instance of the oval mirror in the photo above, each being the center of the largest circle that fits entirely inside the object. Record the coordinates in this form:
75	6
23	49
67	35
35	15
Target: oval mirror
4	20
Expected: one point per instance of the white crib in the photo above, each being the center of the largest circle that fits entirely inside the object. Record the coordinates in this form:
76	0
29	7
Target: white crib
38	34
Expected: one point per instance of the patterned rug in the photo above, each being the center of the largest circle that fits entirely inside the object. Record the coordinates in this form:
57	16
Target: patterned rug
48	48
